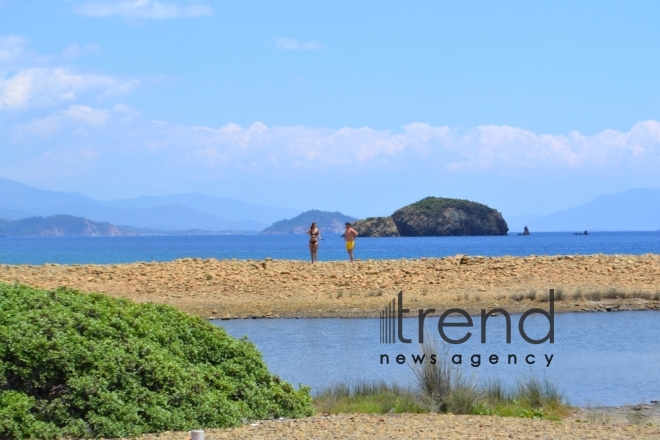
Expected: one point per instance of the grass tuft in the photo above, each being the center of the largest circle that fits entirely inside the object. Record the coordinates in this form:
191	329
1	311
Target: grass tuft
373	293
445	388
642	295
594	296
613	293
517	297
367	398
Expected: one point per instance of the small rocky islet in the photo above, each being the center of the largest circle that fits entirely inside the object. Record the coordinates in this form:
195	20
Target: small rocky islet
436	216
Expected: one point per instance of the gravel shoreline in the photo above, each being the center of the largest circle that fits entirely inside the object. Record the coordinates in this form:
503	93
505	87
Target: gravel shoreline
281	288
422	426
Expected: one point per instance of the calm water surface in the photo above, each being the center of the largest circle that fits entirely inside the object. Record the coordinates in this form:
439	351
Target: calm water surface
107	250
599	358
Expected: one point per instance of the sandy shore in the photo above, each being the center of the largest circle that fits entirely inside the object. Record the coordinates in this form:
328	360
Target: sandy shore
237	289
424	426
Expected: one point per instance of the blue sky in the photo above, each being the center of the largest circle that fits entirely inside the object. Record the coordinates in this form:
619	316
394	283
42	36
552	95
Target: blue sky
529	107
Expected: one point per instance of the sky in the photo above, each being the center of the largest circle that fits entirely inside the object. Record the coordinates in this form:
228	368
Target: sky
358	107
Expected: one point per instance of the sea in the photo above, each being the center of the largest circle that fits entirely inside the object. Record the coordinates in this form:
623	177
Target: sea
112	250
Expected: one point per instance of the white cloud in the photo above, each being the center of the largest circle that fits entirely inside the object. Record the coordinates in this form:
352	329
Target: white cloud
39	87
141	9
118	147
503	147
29	80
288	150
293	44
77	118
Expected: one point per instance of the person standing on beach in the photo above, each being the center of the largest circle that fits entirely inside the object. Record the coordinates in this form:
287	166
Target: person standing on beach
314	237
349	235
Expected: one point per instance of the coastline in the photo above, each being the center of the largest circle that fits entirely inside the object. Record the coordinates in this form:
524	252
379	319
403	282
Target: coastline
228	289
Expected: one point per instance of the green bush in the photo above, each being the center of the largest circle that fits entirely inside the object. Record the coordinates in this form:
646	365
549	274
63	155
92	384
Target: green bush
87	365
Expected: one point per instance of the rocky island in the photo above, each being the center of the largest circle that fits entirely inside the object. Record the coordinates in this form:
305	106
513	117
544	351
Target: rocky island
58	226
376	227
436	216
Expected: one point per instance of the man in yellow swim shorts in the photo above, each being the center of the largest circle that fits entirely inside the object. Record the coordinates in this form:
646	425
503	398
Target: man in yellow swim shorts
349	235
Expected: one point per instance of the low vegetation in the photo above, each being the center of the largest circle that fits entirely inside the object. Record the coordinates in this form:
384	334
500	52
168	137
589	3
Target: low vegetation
87	365
368	397
444	388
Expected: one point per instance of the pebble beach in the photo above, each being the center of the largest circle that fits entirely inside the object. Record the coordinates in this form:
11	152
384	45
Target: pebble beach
228	289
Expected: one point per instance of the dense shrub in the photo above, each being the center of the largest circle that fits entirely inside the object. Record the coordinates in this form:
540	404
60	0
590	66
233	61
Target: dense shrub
88	365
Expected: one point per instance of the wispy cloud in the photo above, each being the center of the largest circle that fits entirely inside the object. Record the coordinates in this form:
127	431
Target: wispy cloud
29	80
44	87
293	44
298	149
15	53
142	9
12	48
118	149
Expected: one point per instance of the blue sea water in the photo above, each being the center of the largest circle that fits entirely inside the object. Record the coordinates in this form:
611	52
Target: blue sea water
108	250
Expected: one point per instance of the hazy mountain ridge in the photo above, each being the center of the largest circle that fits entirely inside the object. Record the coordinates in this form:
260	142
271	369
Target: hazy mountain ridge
71	226
57	226
630	210
327	222
176	212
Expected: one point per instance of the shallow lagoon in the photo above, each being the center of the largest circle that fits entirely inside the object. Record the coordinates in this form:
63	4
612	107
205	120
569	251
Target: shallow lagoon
599	358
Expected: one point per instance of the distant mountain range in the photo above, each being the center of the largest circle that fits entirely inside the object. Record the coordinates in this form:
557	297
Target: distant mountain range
631	210
327	222
70	226
164	213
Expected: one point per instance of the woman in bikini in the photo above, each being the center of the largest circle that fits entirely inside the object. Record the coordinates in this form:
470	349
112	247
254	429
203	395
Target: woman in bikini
314	237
